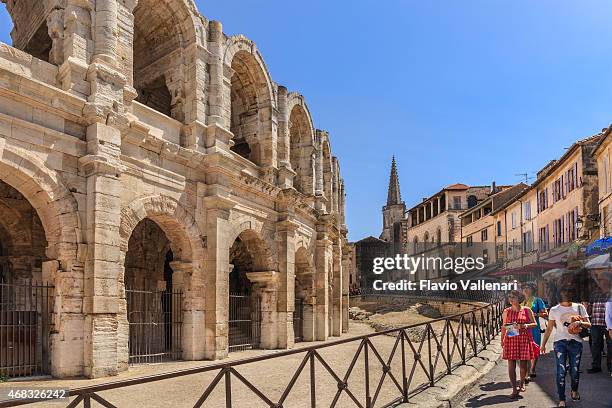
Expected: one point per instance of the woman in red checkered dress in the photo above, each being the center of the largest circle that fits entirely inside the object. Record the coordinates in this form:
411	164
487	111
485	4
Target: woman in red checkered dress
517	343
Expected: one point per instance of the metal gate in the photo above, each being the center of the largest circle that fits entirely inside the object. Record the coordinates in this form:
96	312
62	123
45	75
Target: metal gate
155	321
298	320
244	322
25	318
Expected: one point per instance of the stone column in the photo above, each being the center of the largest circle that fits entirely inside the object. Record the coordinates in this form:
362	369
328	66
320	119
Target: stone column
285	236
215	66
104	303
105	40
308	317
192	309
284	142
337	289
346	268
74	23
68	319
265	285
323	254
216	271
319	165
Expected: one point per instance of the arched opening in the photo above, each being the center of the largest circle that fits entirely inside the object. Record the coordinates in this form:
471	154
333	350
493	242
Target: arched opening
250	107
472	201
25	302
153	307
157	58
303	315
300	137
248	260
30	32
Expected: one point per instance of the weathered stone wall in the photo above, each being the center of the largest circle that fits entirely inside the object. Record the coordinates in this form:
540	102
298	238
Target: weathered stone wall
129	143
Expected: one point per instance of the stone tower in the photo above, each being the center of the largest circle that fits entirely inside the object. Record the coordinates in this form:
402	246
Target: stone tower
394	211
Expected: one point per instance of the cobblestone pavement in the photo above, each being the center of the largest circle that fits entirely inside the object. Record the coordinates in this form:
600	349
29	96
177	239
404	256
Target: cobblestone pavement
494	388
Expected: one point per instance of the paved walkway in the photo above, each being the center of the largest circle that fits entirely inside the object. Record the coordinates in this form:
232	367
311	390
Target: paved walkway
494	388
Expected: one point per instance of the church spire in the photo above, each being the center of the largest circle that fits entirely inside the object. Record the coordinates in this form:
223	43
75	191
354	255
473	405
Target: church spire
393	195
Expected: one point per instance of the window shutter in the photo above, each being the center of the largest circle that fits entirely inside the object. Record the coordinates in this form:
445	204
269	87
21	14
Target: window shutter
563	189
576	175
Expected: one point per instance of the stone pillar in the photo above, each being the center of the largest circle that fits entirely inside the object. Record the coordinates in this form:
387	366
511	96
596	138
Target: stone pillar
319	165
323	254
216	271
284	141
106	332
285	236
192	309
346	268
76	25
265	285
105	39
68	319
215	86
337	289
308	325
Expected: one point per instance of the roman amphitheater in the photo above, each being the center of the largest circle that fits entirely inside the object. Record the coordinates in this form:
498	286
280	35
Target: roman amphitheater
161	197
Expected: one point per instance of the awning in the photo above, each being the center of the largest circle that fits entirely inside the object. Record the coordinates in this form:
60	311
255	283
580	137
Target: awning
528	269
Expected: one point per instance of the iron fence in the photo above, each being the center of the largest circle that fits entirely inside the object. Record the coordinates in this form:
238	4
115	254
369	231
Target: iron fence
25	321
244	322
442	345
155	321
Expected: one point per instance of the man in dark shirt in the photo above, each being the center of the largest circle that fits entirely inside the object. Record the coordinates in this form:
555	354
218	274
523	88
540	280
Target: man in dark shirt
599	331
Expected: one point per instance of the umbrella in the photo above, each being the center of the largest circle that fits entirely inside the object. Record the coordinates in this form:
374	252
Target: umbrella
599	246
599	262
554	273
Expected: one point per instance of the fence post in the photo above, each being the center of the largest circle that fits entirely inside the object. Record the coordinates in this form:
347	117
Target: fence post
404	378
313	393
367	375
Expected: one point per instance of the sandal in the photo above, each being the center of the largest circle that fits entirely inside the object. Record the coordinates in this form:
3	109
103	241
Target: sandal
522	388
562	404
514	395
575	396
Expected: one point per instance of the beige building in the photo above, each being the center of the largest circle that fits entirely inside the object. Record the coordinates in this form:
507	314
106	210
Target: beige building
602	154
559	208
479	229
515	229
435	222
144	153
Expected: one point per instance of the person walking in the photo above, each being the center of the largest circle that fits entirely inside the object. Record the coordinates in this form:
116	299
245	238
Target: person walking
538	308
567	319
517	343
599	332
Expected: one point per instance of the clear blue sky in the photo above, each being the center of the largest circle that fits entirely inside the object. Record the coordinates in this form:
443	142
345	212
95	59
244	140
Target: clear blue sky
460	91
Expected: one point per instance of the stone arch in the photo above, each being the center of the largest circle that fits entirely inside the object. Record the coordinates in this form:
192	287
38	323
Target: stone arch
54	204
162	31
301	144
249	101
38	28
178	225
256	243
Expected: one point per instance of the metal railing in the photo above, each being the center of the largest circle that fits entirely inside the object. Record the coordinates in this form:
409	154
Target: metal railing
155	321
25	320
442	345
244	322
298	320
